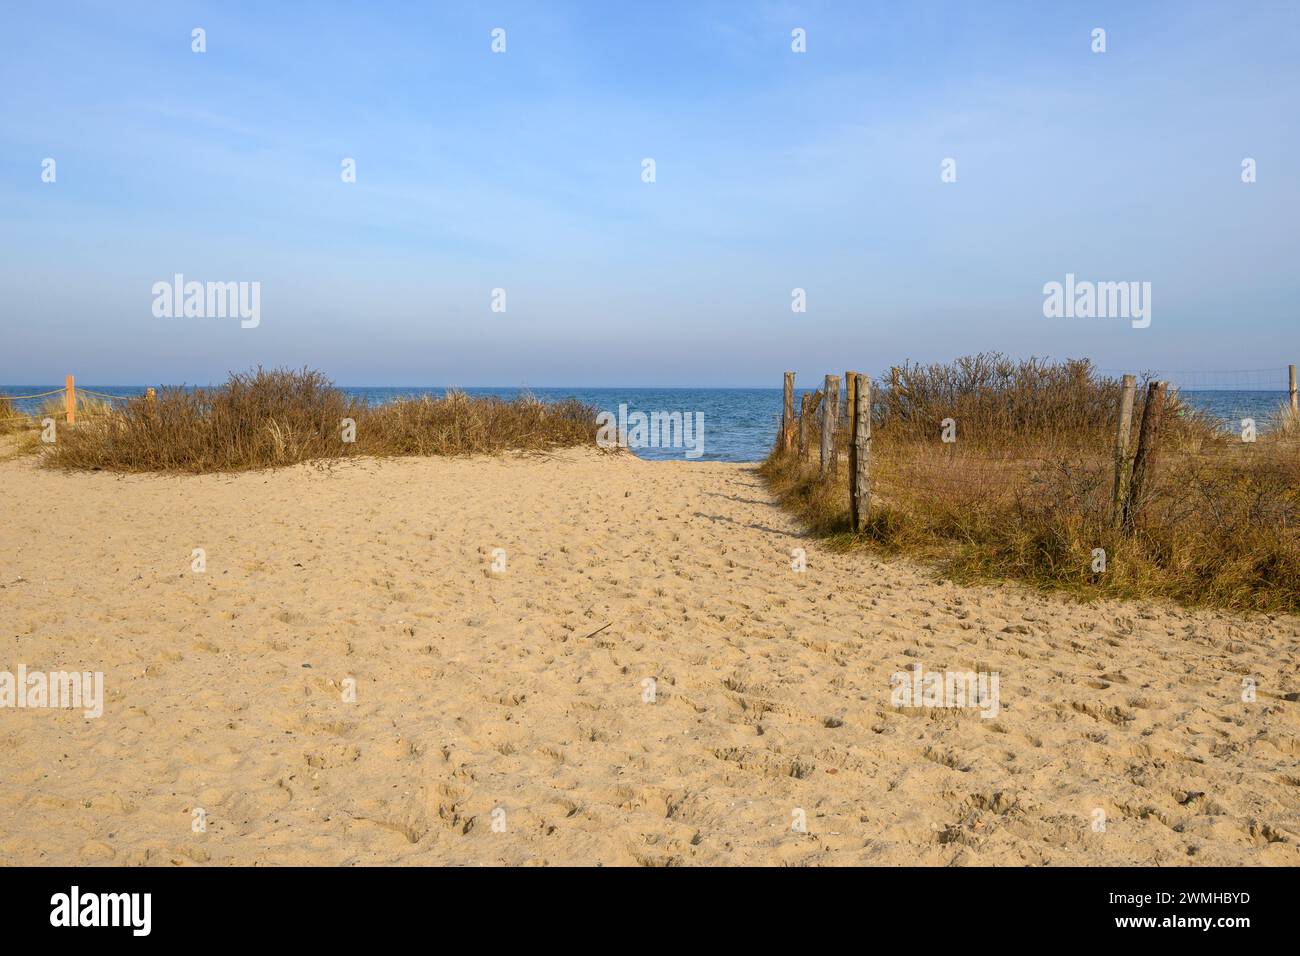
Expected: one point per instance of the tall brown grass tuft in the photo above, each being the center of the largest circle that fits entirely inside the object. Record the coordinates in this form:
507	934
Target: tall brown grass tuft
1285	423
10	418
262	419
88	407
1025	491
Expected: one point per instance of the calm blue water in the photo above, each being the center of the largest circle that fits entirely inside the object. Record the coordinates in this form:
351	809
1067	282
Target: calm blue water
739	423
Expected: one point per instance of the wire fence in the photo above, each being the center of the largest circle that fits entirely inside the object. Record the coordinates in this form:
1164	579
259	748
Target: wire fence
1216	422
1055	475
1232	397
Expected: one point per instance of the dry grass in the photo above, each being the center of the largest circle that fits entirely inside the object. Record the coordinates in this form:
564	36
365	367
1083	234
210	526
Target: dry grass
263	419
11	420
1285	423
23	432
1025	491
17	434
88	407
459	424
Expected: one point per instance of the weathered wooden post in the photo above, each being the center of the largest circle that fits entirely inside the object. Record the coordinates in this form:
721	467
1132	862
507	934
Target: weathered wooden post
1123	429
1295	402
830	410
70	399
1153	411
805	416
850	383
787	415
860	452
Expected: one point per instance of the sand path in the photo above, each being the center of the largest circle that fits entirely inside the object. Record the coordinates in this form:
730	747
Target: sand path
225	689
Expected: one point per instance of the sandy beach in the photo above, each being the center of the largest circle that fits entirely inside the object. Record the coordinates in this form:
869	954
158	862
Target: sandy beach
508	717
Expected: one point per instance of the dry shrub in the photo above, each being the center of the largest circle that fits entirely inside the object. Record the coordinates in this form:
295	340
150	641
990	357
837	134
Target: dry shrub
1002	404
458	424
264	418
1026	493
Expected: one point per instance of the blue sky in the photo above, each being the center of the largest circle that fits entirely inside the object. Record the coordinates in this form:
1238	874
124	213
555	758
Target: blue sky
522	171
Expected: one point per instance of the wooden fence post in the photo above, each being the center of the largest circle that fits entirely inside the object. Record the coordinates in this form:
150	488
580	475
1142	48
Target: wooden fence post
1123	430
805	411
787	415
806	420
850	383
70	399
830	410
860	452
1295	402
1153	411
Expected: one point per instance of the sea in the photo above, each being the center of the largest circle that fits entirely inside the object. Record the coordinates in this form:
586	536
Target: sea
739	423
